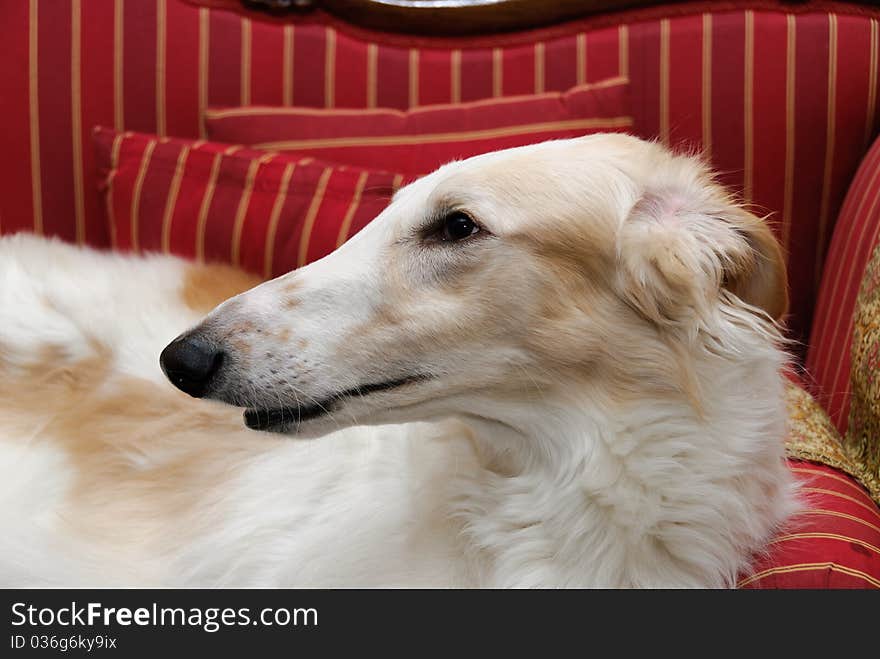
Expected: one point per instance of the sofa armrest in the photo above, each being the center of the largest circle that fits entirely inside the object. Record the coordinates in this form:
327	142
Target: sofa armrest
856	234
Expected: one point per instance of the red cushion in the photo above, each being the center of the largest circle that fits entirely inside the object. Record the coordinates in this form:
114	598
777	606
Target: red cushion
268	213
422	139
834	543
856	235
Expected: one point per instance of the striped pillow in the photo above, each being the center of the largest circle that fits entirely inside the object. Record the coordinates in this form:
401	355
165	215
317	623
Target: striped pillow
420	140
265	212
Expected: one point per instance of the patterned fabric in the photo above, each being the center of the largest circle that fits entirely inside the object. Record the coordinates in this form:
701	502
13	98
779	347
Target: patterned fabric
788	133
856	235
863	434
215	201
833	543
265	212
422	139
812	436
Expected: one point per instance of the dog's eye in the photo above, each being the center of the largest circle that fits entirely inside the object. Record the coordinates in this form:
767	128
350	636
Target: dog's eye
458	226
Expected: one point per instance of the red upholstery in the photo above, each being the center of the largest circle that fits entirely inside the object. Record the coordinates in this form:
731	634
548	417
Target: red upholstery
211	201
267	213
857	233
834	543
789	132
783	100
422	139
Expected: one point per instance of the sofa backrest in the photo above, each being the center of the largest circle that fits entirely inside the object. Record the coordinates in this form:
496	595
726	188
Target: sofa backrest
781	98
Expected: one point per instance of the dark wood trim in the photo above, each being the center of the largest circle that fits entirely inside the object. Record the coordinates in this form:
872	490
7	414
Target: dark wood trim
468	18
451	17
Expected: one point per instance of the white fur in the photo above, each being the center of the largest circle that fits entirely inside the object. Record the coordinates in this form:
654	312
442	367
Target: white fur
460	481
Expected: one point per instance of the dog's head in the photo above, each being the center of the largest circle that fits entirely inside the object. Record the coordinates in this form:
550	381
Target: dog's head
498	279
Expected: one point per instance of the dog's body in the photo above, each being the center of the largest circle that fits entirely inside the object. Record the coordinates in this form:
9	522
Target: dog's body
584	389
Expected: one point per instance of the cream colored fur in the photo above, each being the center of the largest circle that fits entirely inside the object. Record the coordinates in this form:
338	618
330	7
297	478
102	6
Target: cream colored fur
598	401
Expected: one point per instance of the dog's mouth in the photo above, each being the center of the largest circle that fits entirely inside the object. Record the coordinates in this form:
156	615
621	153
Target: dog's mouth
278	419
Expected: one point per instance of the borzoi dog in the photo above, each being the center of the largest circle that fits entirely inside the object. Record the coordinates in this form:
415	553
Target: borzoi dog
555	365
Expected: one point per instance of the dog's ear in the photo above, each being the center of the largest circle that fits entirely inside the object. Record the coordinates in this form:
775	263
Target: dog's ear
680	249
759	278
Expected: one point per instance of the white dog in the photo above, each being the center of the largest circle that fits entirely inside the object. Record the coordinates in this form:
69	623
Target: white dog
574	340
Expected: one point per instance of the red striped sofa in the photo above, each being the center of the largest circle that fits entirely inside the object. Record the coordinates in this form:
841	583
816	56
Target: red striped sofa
782	97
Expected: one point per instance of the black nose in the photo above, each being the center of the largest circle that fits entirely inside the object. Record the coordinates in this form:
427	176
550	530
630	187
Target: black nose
191	363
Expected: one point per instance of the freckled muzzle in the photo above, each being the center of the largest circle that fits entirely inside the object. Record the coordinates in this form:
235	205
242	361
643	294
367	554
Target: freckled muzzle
202	367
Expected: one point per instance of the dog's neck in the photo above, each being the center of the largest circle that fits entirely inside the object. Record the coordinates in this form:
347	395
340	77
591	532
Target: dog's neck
568	479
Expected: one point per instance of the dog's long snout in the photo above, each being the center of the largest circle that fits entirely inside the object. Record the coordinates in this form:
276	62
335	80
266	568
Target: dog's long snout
191	363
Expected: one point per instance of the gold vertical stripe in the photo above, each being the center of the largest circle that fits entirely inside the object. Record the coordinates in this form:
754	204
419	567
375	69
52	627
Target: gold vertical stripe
287	67
311	214
246	39
161	39
829	145
664	81
497	72
330	68
455	76
243	204
352	209
277	207
114	165
872	87
205	207
790	119
76	118
623	50
118	55
204	46
413	77
372	66
539	67
748	108
171	199
396	182
707	87
136	195
34	112
581	68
